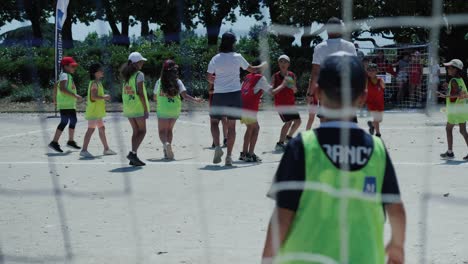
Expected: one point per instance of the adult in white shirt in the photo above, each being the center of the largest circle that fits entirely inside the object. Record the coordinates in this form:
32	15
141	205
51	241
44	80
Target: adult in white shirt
333	44
224	72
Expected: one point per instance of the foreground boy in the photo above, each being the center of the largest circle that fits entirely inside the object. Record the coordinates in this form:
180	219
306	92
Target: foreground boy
338	218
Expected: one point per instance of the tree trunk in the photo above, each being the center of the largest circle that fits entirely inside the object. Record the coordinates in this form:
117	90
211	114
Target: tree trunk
67	33
33	12
213	33
144	28
172	32
125	26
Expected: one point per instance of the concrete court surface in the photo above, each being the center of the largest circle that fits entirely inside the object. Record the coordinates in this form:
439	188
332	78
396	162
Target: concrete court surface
61	209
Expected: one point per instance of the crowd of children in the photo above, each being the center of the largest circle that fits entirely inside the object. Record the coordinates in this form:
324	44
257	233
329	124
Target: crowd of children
169	91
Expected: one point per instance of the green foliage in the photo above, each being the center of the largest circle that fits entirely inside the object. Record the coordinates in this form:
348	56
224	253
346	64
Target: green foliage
5	88
25	94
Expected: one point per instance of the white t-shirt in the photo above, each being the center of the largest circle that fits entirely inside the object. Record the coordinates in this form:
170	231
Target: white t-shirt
262	84
179	83
227	66
140	77
331	46
63	76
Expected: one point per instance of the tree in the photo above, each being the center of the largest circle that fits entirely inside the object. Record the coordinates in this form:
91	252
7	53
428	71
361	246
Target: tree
36	11
83	11
114	12
212	13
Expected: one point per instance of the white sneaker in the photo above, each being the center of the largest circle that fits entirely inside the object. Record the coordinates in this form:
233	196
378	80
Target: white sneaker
86	154
228	161
109	152
218	155
169	152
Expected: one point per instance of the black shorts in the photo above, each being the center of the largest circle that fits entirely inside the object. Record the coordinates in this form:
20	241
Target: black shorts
290	116
226	105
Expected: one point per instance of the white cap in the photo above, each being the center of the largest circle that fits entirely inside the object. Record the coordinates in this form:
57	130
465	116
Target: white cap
136	57
284	56
455	63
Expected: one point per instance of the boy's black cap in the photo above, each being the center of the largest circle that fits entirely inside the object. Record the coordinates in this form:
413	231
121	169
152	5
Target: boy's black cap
331	71
229	37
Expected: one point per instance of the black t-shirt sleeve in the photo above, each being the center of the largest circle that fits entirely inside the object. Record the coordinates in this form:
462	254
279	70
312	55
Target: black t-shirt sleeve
291	169
390	182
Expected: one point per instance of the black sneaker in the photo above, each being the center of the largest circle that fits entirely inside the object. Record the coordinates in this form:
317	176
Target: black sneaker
55	146
378	135
213	145
447	155
134	160
225	143
465	158
72	144
371	127
280	146
243	156
254	158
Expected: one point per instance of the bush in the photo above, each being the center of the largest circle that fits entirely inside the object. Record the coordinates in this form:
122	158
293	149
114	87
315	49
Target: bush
5	88
25	94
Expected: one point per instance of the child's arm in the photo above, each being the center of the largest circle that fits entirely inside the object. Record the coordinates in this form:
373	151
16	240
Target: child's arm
396	247
190	98
54	99
140	92
278	89
278	229
64	90
258	68
94	94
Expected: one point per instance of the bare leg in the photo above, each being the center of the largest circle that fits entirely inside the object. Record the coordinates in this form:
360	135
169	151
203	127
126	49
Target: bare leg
87	138
247	136
464	132
71	134
134	125
449	131
57	135
214	124
141	130
376	126
284	131
231	139
295	126
310	122
225	127
102	136
253	138
162	130
170	129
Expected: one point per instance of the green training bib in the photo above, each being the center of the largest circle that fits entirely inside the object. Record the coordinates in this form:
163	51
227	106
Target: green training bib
316	235
65	101
95	110
457	112
132	105
167	107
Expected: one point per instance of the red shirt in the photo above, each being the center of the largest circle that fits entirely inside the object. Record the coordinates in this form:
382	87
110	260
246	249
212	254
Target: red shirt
285	96
375	95
250	99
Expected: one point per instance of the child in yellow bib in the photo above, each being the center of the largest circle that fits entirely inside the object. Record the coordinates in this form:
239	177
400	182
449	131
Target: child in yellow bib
135	102
167	93
65	98
456	105
331	195
96	110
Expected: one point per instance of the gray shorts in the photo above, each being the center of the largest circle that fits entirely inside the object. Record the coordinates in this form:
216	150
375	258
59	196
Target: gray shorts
226	105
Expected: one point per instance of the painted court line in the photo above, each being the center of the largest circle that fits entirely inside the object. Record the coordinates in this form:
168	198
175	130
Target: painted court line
189	163
27	133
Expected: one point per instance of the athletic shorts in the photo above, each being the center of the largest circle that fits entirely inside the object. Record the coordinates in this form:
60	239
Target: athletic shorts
226	105
248	120
377	116
95	123
289	117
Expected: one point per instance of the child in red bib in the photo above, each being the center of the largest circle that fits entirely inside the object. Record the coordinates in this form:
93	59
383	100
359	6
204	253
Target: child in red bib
252	90
375	98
